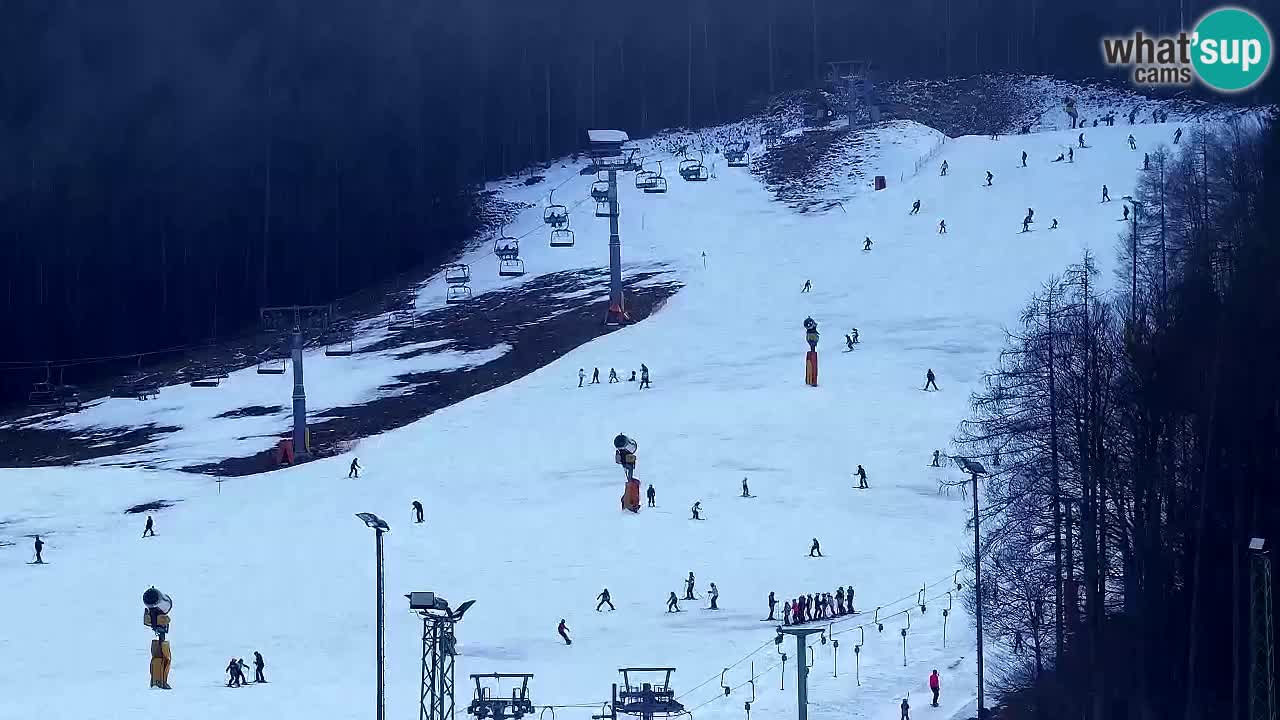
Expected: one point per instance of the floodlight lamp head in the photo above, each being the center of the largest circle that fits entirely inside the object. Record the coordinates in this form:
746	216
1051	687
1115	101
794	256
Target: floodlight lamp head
1257	544
420	601
374	522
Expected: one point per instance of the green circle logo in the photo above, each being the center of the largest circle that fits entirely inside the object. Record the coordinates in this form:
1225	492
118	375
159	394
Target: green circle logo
1231	49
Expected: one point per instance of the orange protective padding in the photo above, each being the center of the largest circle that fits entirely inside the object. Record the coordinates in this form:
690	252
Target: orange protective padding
811	368
631	496
161	659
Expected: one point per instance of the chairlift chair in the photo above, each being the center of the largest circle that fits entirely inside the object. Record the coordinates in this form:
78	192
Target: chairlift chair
340	348
555	215
658	182
510	267
644	179
604	210
457	294
693	170
736	155
457	274
271	366
506	248
401	320
600	191
562	237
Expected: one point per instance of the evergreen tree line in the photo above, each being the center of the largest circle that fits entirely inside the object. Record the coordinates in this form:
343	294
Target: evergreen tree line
165	169
1133	443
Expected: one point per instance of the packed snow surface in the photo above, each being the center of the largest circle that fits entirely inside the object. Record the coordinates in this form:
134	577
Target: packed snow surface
522	497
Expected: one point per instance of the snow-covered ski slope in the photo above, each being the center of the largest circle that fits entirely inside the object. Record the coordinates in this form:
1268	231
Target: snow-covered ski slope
522	498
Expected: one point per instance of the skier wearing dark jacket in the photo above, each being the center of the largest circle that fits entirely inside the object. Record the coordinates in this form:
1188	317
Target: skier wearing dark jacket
772	603
603	597
258	665
862	478
564	632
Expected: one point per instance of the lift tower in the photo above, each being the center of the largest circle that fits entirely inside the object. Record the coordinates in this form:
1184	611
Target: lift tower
296	319
604	147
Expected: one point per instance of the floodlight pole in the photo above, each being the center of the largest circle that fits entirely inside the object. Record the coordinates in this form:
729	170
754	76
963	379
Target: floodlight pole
379	527
802	669
1262	694
977	590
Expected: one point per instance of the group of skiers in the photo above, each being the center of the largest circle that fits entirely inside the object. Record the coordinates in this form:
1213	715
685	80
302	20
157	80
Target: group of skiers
237	667
613	376
713	595
814	606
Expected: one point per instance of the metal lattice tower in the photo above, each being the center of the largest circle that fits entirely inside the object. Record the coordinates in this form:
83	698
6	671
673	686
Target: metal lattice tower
1262	692
436	697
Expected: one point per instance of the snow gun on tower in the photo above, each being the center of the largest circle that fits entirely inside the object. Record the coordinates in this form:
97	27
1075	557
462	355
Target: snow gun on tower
624	453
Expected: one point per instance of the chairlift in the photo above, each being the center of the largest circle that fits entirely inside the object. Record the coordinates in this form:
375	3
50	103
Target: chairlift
489	704
271	366
401	320
736	154
658	183
644	179
693	170
457	294
510	267
340	348
600	191
555	215
562	236
457	274
48	395
506	248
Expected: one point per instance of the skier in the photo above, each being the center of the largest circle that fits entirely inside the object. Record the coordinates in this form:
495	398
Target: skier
906	709
1017	642
354	470
595	376
942	227
989	177
862	478
1081	140
149	529
1031	215
839	601
603	597
935	686
807	287
1146	161
613	376
745	491
233	669
786	612
773	603
581	376
39	549
1060	157
1026	222
688	587
417	511
714	595
633	376
929	379
936	453
853	335
697	510
915	208
814	550
244	667
944	168
644	376
1106	195
258	665
1071	154
1024	158
1054	226
673	604
1177	136
1133	144
652	494
1126	213
564	632
848	342
866	244
848	600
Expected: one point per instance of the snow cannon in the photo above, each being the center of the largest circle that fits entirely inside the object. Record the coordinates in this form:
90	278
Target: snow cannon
811	357
155	615
625	455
